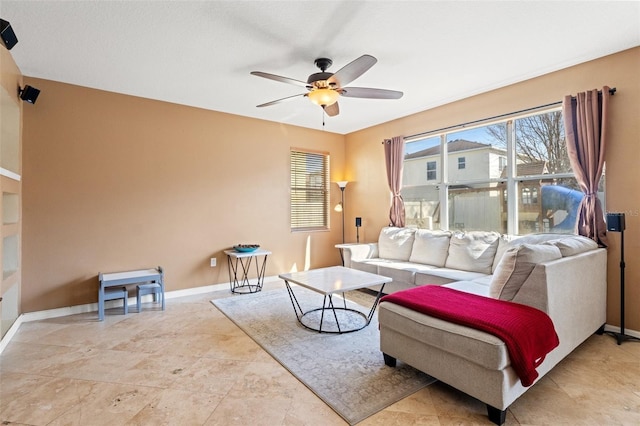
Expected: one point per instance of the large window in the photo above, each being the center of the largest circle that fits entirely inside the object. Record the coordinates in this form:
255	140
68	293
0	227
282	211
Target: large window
309	190
512	177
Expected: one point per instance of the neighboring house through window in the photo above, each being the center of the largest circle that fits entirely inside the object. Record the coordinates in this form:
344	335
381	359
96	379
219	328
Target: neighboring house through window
502	163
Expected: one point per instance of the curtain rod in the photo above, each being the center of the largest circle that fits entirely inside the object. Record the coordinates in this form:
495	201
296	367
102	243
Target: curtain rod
612	91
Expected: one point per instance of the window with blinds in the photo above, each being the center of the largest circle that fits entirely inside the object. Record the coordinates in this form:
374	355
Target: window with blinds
309	190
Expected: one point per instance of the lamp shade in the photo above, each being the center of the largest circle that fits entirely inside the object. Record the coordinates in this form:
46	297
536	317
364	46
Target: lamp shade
323	97
342	183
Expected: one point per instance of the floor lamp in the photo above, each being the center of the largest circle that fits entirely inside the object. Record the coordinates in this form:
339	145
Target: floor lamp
342	185
615	223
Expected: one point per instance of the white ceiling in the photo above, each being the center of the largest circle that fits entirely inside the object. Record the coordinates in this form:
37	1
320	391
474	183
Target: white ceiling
200	53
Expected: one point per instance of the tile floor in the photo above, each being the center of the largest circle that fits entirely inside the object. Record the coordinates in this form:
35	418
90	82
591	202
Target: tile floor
190	365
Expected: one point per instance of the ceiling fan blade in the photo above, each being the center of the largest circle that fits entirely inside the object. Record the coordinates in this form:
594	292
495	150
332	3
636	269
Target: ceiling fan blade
352	70
277	101
369	93
279	78
332	110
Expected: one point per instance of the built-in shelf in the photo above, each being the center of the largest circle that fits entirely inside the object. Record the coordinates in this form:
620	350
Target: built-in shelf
10	256
10	208
10	203
9	278
10	174
10	229
10	134
10	302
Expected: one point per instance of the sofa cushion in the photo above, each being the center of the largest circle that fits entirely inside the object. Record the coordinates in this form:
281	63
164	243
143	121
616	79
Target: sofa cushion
474	287
369	265
484	280
430	247
441	276
516	266
472	251
395	243
473	345
576	244
399	272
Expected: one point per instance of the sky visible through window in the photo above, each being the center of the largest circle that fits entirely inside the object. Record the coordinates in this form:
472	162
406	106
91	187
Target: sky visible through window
473	135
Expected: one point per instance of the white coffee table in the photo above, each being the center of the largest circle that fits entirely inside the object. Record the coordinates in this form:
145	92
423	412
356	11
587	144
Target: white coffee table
329	281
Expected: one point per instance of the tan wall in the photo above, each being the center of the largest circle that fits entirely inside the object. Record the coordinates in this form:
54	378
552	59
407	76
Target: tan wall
365	156
114	182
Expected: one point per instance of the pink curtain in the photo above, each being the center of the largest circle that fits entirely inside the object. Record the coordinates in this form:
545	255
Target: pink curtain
394	159
585	118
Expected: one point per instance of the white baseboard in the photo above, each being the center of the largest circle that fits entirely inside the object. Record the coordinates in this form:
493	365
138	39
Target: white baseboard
616	329
93	307
10	333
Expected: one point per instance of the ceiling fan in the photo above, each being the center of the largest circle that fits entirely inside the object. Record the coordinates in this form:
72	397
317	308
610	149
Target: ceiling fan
324	88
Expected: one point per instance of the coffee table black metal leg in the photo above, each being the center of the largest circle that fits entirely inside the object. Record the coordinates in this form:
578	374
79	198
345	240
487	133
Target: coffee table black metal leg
328	304
294	302
324	301
332	307
375	304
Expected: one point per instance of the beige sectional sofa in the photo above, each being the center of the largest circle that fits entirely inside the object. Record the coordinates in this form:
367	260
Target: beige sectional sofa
561	275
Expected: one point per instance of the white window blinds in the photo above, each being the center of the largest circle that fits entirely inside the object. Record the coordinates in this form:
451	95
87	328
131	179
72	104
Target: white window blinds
309	190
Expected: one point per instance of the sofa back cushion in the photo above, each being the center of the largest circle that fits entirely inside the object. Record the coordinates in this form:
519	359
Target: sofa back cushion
516	265
472	251
536	238
395	243
562	241
430	247
575	244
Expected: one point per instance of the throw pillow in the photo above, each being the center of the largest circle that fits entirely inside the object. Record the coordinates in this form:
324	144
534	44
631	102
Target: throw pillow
516	265
430	247
472	251
395	243
504	242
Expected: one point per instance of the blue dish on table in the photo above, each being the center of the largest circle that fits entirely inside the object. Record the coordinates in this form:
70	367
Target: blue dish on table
246	248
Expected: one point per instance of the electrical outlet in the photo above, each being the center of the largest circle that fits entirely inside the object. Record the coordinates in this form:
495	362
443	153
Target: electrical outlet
213	262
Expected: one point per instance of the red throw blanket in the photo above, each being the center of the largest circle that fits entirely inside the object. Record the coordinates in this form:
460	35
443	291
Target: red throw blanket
527	332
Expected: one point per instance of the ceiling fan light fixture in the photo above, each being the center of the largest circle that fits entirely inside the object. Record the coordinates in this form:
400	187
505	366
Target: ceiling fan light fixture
323	97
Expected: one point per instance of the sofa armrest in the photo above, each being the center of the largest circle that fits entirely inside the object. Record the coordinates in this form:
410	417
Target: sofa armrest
573	292
357	252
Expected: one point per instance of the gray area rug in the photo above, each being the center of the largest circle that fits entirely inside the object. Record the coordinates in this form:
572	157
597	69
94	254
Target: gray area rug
346	371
